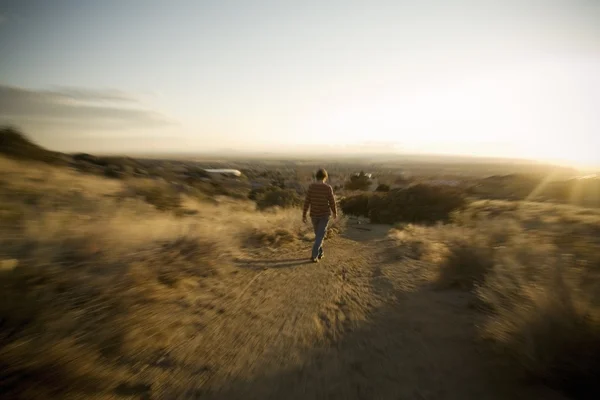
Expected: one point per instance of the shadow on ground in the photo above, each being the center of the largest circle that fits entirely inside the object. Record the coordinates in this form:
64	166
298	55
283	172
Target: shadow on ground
265	264
366	232
420	345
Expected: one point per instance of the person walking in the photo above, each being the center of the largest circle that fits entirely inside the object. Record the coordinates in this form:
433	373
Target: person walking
321	202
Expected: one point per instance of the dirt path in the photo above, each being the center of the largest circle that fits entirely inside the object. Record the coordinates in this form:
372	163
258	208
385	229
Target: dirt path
355	326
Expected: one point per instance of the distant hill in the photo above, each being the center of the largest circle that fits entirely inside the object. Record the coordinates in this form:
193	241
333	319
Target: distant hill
15	144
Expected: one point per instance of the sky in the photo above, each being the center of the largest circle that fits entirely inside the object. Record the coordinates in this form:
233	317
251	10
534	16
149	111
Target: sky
489	78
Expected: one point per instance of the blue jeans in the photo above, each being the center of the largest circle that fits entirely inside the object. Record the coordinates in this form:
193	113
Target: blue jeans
320	227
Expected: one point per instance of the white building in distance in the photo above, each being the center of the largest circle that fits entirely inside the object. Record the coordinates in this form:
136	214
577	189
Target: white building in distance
224	172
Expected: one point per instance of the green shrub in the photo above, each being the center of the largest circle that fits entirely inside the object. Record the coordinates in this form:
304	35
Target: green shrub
358	182
357	206
416	204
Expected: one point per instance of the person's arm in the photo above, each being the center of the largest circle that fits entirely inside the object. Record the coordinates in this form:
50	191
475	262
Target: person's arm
306	205
332	205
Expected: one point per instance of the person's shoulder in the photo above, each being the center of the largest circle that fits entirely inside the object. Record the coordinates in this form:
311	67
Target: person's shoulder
319	186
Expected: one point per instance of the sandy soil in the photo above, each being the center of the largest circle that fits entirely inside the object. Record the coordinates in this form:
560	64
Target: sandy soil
357	325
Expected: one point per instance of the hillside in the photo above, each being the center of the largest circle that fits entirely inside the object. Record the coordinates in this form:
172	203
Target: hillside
109	292
143	278
15	145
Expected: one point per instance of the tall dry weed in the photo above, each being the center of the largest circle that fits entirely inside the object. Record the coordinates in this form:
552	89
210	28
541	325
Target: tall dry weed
539	285
544	314
97	285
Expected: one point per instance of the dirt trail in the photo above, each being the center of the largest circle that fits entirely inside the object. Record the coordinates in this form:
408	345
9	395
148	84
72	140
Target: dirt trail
355	326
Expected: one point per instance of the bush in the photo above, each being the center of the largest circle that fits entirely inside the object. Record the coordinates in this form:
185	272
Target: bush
464	263
545	317
541	298
382	188
358	182
461	257
65	326
357	206
163	197
112	172
416	204
275	238
284	198
257	193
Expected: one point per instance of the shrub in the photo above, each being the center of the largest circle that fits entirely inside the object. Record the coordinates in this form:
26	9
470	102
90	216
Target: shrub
257	193
66	321
163	197
358	182
101	284
461	257
540	293
464	262
284	198
357	206
275	238
545	317
416	204
382	188
112	172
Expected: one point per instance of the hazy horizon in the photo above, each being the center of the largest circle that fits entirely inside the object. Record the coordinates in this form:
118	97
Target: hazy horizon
502	79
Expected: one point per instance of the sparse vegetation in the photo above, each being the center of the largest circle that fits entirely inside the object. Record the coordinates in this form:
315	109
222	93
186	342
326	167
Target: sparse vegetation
545	315
99	275
276	197
115	289
539	288
583	192
160	195
112	266
419	203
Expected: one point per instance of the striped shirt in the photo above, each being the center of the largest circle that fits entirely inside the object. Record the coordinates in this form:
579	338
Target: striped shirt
320	200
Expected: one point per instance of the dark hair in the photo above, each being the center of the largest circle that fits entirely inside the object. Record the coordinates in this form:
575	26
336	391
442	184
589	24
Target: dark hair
321	174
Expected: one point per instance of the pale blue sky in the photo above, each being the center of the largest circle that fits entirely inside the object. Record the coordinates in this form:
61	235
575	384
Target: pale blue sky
502	78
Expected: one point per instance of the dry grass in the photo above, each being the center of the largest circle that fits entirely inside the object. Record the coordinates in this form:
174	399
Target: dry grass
462	255
536	268
90	299
97	287
544	315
